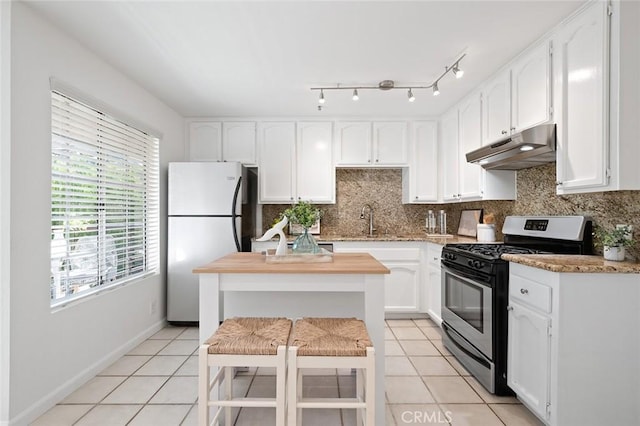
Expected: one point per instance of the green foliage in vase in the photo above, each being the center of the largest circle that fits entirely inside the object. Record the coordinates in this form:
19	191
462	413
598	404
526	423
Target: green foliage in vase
617	237
303	213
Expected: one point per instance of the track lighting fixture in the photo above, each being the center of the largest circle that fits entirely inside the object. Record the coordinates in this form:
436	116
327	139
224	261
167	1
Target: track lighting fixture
386	85
457	71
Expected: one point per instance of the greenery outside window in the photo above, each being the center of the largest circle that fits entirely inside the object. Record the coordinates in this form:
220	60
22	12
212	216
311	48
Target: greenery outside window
104	200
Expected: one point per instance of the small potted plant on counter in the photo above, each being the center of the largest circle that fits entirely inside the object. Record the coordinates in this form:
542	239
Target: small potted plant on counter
306	215
615	241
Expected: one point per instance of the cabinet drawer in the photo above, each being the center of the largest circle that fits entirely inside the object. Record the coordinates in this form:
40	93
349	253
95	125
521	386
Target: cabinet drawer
385	254
530	293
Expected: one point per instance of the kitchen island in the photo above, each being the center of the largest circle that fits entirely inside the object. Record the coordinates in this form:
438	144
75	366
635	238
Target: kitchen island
244	284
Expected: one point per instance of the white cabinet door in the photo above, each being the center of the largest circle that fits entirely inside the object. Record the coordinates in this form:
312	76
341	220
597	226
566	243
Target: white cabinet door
277	162
434	282
581	64
529	357
389	143
423	168
353	143
239	142
315	176
205	141
531	88
401	287
470	115
450	157
497	108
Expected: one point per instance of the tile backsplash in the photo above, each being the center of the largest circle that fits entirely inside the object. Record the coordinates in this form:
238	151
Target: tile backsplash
382	189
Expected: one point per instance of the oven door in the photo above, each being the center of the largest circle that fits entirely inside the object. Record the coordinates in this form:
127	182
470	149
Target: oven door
467	306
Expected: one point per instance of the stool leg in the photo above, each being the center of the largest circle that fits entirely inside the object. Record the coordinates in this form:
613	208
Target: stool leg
203	386
228	386
370	392
292	373
281	397
359	395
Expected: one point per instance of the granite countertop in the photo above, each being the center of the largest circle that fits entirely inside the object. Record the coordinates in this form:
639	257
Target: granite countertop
419	237
573	263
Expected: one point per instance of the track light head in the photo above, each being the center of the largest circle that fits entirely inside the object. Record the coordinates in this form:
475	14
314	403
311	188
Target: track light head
436	91
457	71
355	95
321	99
410	96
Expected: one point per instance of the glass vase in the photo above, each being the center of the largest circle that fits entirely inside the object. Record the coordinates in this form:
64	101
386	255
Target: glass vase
305	243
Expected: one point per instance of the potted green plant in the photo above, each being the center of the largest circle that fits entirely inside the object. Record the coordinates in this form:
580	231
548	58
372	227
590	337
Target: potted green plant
615	241
306	215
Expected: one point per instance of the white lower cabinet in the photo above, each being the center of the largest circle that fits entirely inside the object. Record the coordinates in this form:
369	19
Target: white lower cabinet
403	285
528	357
434	282
574	346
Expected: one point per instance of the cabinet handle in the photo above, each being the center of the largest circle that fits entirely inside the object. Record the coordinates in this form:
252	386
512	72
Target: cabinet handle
436	258
368	161
524	291
377	160
558	183
291	198
504	132
513	129
416	197
509	308
299	198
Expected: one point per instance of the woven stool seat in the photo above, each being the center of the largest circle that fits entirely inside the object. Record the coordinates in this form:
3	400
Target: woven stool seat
330	337
250	336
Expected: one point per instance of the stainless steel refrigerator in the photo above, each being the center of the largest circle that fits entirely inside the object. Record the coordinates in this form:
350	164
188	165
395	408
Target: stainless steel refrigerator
205	211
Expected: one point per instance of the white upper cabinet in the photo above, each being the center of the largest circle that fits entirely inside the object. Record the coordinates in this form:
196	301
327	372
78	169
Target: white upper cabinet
420	179
222	141
296	165
239	142
315	174
531	88
205	141
520	96
389	143
450	158
362	143
353	143
276	144
582	81
497	108
470	138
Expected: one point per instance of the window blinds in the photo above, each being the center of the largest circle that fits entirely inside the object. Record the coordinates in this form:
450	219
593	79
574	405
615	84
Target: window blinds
104	200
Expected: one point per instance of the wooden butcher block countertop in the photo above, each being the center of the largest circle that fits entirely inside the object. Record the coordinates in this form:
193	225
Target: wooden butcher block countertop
254	263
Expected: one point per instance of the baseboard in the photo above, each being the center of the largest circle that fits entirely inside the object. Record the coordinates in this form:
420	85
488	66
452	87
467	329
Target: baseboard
45	403
402	315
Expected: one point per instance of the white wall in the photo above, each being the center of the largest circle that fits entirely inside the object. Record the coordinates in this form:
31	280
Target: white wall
53	353
5	83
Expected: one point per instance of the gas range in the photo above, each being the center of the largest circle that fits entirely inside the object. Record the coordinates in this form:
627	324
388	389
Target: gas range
475	289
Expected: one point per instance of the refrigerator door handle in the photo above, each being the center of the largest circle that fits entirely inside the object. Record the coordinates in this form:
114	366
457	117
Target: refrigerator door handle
234	215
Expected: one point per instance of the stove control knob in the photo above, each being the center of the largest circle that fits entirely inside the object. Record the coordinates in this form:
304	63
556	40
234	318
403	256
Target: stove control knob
478	264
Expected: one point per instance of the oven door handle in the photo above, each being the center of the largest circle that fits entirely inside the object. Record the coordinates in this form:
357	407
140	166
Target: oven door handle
470	276
467	352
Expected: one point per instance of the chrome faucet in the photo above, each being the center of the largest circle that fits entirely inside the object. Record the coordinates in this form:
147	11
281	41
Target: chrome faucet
371	228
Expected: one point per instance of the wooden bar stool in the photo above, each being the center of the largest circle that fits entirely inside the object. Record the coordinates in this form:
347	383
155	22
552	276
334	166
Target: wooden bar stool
242	342
331	343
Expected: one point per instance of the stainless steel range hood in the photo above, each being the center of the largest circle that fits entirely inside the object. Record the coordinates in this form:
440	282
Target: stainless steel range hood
529	148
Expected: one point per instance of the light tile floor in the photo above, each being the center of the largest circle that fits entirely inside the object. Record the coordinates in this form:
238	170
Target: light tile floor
156	384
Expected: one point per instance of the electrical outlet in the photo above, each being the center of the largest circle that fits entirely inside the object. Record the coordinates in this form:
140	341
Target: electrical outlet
153	307
629	228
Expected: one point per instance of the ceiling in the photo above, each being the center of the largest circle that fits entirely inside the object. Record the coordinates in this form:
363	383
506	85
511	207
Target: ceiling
240	58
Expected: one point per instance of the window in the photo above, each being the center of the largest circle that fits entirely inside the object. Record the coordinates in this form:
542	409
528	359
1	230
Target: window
104	200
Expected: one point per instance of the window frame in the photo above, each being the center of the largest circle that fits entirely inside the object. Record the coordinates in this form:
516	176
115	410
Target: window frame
107	153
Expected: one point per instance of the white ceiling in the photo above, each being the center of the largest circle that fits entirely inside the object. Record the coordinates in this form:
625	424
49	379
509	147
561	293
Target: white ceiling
239	58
